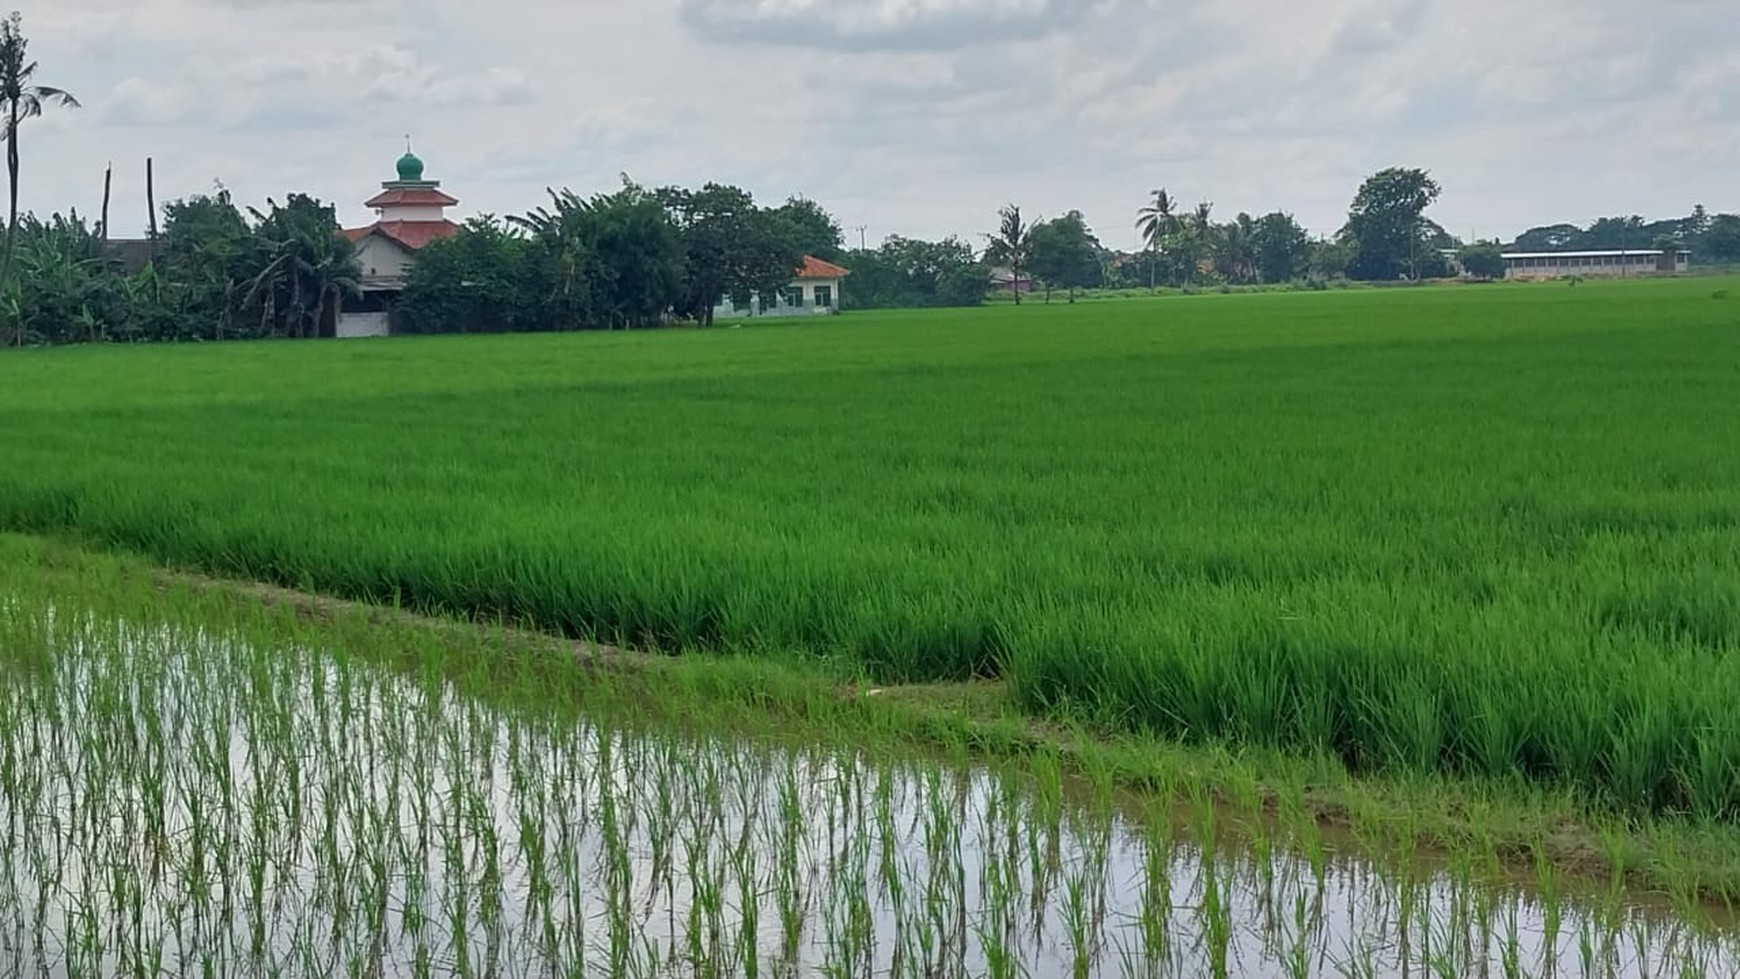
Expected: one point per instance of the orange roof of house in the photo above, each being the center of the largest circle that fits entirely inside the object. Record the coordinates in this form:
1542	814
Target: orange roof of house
815	268
409	234
410	197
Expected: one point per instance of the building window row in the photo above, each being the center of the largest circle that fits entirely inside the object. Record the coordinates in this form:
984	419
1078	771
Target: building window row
1586	261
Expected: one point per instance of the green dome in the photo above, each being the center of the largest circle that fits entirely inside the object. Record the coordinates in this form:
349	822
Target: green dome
410	168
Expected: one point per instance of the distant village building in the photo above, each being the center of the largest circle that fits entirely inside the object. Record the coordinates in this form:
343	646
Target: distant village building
410	212
1628	262
814	291
1003	279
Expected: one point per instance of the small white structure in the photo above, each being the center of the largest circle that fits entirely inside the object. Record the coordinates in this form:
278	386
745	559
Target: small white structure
1627	262
814	291
410	213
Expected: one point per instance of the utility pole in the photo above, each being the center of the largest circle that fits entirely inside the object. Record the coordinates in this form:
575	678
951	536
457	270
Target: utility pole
151	204
861	241
108	182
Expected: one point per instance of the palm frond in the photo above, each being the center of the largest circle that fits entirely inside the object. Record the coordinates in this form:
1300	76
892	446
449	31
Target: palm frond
48	93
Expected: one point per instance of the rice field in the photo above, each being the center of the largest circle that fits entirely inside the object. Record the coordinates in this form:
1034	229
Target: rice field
1484	532
192	786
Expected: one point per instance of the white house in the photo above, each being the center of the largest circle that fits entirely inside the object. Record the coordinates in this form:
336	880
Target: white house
410	212
1629	262
814	291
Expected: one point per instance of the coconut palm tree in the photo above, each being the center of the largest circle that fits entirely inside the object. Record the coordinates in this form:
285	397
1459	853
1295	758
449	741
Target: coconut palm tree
1157	221
1196	240
19	100
1202	219
1012	245
1234	249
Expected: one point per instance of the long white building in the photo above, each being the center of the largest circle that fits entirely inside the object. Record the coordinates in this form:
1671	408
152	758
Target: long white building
814	291
1627	262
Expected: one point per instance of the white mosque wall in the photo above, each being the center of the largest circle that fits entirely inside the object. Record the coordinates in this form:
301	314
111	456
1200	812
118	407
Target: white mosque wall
384	262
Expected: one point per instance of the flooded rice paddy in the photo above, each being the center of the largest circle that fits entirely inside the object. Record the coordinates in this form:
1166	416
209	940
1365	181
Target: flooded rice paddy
184	802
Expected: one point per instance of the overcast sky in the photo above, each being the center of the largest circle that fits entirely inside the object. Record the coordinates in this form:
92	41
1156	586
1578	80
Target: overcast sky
914	117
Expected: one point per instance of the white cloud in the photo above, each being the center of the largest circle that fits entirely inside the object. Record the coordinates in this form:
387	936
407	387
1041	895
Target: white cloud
326	84
869	25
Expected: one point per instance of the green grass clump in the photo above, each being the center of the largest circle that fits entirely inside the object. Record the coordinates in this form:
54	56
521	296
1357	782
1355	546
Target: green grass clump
1462	530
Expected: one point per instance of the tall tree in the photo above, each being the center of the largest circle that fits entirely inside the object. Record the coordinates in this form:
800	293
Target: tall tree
1195	243
1621	232
1234	246
1280	247
1202	218
731	247
1483	260
1011	245
1157	221
1550	238
20	99
207	248
482	280
907	273
640	256
1721	241
1385	224
1065	254
1329	259
564	262
818	233
621	252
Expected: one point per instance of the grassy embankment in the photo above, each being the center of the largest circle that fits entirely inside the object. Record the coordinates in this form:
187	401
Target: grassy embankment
1455	534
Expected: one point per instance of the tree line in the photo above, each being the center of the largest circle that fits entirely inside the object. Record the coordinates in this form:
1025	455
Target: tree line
216	272
1387	237
632	258
1711	238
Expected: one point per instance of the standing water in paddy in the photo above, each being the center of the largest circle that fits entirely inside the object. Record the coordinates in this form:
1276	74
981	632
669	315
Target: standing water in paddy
174	801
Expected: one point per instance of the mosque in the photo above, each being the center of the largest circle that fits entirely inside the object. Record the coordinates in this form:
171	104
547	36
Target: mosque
410	212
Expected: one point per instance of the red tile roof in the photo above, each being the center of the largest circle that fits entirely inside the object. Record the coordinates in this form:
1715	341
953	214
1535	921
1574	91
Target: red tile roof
410	197
409	234
815	268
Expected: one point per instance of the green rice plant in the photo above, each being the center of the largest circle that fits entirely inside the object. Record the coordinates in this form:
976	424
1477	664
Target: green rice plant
1459	532
1156	907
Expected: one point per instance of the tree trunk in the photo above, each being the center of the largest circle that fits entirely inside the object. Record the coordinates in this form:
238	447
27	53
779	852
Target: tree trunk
1015	273
12	204
298	308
